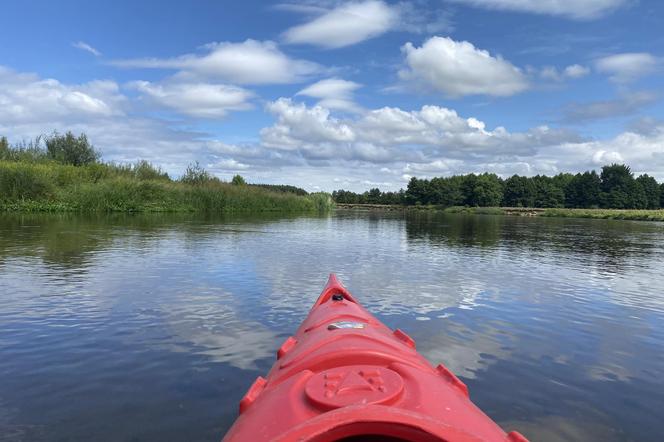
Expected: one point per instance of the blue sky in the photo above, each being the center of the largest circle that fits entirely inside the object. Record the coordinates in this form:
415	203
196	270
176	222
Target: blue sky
328	95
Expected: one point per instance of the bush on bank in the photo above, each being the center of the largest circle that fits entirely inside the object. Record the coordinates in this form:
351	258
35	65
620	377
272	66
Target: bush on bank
67	176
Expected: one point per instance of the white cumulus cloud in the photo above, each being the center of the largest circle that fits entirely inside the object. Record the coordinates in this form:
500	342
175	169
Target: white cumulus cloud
27	97
392	134
602	157
249	62
458	68
297	123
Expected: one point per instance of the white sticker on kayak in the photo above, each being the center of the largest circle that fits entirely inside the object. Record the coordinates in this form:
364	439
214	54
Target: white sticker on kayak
346	324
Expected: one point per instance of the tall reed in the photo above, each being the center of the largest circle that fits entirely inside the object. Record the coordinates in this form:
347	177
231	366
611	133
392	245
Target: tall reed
99	187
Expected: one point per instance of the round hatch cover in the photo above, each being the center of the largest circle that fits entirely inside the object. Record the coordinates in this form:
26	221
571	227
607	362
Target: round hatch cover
353	385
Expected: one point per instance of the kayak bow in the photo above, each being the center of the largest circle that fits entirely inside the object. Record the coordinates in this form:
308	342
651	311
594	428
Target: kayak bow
345	376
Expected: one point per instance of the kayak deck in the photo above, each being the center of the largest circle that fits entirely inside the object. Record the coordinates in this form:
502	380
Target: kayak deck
346	376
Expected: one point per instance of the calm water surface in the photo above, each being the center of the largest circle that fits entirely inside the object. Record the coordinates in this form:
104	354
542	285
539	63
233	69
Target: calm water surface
151	328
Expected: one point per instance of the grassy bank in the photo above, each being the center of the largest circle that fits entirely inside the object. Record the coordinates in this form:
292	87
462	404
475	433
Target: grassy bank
98	187
628	214
624	214
400	207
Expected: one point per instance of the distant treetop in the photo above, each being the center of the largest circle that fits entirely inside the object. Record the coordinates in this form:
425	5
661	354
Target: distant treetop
614	188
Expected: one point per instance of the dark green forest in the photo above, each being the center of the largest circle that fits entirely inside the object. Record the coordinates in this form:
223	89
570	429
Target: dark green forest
615	187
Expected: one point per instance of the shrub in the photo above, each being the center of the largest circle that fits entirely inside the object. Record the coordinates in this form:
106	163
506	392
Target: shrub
322	201
120	195
68	149
143	170
238	181
28	152
20	181
283	188
196	175
4	148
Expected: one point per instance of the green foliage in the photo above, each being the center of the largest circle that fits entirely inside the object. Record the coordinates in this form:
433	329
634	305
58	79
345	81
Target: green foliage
345	197
583	190
651	191
322	201
69	149
484	190
4	148
629	214
66	176
348	197
614	188
470	190
284	188
447	191
475	210
119	195
393	197
30	151
373	197
21	181
196	175
547	192
519	192
619	189
143	170
562	180
418	191
102	187
238	181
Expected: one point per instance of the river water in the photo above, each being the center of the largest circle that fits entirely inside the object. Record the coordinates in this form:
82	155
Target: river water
150	328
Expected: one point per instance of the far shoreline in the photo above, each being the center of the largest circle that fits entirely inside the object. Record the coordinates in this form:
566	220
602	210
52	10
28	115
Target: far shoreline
618	214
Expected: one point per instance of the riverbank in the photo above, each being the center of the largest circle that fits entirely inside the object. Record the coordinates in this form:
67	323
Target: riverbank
52	187
623	214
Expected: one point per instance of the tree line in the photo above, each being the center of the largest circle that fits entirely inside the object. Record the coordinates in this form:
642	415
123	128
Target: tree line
615	187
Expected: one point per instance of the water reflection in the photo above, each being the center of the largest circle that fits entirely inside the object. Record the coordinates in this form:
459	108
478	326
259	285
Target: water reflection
151	327
203	321
459	230
612	241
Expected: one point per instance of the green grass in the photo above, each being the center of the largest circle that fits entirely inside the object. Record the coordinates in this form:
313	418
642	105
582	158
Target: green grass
452	209
627	214
475	210
52	187
624	214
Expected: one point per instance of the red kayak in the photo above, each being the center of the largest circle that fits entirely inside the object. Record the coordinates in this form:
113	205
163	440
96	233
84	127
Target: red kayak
345	376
